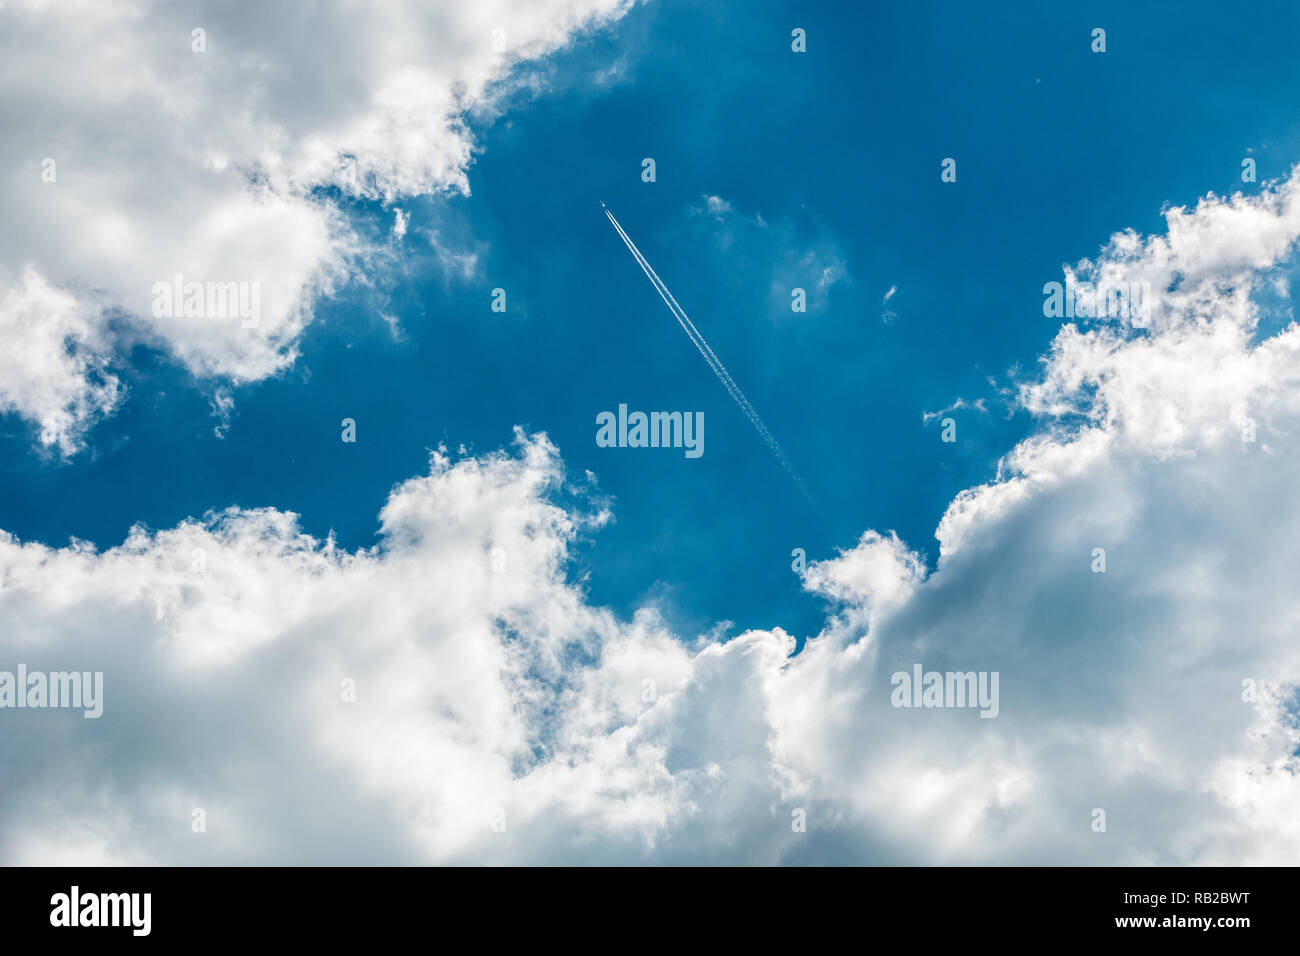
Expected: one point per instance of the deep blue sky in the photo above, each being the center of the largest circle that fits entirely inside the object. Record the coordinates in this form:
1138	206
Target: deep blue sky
839	147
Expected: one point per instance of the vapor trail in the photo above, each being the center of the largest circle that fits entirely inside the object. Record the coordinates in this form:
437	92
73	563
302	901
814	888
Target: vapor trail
710	357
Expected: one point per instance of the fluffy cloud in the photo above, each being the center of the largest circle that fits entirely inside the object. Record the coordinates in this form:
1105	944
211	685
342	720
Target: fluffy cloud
221	166
489	690
55	364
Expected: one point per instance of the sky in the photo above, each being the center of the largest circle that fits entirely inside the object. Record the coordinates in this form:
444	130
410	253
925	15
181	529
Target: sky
184	514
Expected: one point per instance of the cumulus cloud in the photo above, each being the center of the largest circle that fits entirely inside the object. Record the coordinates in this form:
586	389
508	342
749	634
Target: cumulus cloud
211	141
500	717
54	368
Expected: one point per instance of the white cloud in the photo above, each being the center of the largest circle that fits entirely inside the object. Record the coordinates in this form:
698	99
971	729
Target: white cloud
795	252
718	206
400	219
888	315
960	404
485	680
53	368
211	164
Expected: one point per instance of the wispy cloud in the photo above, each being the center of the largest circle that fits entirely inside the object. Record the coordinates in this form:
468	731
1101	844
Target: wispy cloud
791	252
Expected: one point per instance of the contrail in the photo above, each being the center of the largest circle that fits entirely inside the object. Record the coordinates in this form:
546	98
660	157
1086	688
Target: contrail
714	362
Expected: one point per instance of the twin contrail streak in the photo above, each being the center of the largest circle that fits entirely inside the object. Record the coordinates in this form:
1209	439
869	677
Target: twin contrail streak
714	362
